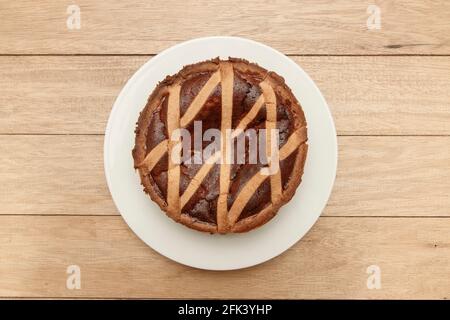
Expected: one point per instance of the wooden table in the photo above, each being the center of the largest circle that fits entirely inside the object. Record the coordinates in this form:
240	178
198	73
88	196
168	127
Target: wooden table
389	92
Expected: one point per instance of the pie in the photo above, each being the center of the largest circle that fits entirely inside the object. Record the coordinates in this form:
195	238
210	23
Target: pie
221	145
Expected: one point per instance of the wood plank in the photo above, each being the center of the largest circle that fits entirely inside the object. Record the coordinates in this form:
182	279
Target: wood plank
385	95
330	262
392	176
377	176
61	94
53	175
309	27
75	94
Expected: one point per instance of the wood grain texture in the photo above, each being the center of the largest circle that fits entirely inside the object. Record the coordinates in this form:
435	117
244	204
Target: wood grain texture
367	95
330	262
293	27
377	176
390	205
398	176
53	175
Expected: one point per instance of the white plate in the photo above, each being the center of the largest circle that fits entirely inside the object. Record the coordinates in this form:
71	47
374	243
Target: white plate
202	250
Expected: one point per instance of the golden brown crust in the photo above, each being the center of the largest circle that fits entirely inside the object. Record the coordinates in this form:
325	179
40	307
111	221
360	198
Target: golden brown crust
245	69
139	152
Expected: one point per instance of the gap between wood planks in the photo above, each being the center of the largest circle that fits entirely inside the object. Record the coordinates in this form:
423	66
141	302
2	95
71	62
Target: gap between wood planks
154	54
118	215
339	135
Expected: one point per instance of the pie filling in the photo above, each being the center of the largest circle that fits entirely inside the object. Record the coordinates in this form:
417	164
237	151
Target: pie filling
202	206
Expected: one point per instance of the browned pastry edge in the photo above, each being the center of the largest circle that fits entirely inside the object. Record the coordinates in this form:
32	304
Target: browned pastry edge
139	152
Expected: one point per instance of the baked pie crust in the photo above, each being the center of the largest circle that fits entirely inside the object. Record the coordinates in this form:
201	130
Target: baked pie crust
216	196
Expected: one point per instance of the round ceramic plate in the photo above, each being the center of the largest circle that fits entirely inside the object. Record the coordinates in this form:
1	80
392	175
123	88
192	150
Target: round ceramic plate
203	250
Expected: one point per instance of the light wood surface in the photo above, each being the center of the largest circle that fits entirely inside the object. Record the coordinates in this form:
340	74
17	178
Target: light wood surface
291	26
75	94
388	90
330	262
